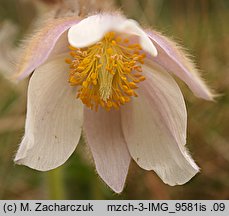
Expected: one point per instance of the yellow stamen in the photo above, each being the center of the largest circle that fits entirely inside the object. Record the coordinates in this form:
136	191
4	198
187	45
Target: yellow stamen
68	61
107	72
126	40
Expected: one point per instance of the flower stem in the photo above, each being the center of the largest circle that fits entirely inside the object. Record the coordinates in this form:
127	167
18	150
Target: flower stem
55	184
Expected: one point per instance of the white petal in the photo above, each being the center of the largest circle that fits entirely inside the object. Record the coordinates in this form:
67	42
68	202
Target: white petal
54	118
132	27
147	124
160	88
93	28
105	138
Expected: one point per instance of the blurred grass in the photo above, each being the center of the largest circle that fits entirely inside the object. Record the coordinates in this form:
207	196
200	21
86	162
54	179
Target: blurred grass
202	27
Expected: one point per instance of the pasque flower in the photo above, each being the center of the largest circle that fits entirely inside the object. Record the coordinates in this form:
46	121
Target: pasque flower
106	76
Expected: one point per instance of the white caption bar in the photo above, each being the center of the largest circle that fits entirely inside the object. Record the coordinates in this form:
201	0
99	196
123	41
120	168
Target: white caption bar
115	207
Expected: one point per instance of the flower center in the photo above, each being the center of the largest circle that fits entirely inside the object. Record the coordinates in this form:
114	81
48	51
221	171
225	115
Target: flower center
107	72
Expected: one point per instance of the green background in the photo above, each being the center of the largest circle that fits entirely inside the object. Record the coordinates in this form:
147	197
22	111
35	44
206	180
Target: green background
202	27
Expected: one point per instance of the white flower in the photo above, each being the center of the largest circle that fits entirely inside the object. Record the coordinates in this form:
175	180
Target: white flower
113	60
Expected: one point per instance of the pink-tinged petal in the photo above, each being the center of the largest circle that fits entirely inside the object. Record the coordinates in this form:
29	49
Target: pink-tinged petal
173	58
61	47
154	126
39	47
54	118
93	28
105	138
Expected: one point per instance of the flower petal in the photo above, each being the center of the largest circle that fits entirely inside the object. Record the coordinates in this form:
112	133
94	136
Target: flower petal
173	59
105	138
132	27
162	90
154	127
54	118
61	47
92	29
39	47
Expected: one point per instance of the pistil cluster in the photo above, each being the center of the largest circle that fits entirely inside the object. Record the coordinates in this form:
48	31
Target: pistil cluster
107	72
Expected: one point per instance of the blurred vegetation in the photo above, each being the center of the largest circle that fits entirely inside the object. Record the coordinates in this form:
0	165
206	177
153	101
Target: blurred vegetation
202	27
